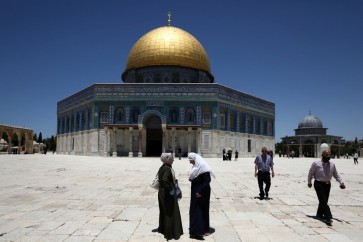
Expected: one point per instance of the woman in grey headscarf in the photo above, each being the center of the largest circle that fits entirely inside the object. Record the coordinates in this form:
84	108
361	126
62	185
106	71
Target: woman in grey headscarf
170	224
200	177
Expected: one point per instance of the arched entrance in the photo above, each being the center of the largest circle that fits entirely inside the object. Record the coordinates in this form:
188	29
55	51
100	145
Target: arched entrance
154	136
309	148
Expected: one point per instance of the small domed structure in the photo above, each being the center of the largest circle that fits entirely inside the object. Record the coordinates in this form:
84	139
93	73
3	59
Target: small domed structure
311	138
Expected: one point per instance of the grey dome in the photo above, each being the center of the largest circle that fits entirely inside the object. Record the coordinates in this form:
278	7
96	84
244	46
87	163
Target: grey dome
310	121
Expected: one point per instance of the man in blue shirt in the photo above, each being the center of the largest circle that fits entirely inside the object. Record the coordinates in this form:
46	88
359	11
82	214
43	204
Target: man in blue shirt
263	165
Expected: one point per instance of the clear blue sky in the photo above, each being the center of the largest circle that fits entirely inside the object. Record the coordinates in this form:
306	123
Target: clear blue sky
303	55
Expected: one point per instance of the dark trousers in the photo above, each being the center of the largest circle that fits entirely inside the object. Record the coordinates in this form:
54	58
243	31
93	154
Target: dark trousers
264	177
322	191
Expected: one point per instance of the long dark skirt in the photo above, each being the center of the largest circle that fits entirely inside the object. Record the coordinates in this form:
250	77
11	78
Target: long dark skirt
199	207
170	223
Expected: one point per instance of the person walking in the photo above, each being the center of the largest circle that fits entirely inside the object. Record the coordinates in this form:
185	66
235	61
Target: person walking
355	158
179	152
170	223
229	154
322	171
236	155
263	165
200	178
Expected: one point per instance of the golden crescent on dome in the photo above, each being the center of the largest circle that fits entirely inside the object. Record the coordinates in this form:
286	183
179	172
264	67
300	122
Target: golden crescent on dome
168	46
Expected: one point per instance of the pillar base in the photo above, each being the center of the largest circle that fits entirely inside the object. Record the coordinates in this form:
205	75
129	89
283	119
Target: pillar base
130	154
114	154
139	154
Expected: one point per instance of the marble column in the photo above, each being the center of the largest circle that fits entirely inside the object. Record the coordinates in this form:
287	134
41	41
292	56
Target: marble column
114	153
130	142
173	139
139	154
198	140
164	138
189	140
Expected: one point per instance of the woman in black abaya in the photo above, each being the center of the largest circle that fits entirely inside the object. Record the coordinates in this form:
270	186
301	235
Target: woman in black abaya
200	178
170	224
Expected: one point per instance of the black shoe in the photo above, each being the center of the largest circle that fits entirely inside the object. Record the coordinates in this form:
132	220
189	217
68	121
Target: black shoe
197	237
329	222
155	230
266	194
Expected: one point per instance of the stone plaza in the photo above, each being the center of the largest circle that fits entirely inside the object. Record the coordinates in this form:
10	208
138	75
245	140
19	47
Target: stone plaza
83	198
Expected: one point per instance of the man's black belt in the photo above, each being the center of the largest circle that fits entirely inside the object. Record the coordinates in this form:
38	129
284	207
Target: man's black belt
263	172
325	182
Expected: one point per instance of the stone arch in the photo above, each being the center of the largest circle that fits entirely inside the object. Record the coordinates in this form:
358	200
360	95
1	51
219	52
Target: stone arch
150	113
153	121
24	138
5	135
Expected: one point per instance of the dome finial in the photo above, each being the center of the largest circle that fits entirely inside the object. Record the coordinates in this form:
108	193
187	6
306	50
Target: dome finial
169	15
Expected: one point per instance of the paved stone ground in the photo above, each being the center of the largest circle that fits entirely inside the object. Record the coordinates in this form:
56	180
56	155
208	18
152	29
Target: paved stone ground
77	198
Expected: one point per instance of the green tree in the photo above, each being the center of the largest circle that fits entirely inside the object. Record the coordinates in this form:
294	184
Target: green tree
22	143
40	138
5	137
15	140
35	137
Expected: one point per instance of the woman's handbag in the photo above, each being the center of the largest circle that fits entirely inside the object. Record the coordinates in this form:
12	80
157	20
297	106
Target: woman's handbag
178	192
155	183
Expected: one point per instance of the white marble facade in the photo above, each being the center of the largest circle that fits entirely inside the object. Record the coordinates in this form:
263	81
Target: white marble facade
125	142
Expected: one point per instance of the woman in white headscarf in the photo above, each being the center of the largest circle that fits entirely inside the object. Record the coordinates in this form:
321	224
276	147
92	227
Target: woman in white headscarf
200	177
170	224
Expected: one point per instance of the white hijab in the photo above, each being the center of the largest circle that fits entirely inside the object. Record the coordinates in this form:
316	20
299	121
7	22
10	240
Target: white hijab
200	166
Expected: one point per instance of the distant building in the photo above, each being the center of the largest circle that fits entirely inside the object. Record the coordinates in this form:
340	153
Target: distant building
168	99
16	139
308	138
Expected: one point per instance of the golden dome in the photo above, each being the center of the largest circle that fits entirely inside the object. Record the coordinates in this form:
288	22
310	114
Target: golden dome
168	46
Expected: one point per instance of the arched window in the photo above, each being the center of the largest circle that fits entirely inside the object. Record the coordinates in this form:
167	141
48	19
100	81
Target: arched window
190	116
174	115
222	118
207	116
248	124
119	115
84	121
135	112
78	121
233	121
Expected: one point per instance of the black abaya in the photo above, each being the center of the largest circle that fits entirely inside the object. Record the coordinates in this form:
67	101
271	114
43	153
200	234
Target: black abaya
170	224
199	207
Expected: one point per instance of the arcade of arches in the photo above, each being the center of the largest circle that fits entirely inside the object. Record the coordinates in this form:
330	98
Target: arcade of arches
16	140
